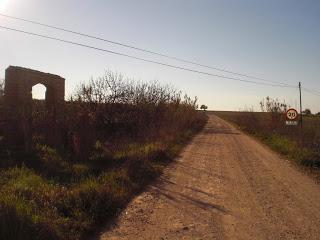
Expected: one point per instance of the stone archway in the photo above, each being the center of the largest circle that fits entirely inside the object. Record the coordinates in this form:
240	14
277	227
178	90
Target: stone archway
18	104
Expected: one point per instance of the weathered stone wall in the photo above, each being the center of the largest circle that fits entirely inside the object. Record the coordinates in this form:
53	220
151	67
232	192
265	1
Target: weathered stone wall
18	103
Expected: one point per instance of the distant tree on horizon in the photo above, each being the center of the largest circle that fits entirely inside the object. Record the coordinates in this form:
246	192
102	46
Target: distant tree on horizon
307	111
204	107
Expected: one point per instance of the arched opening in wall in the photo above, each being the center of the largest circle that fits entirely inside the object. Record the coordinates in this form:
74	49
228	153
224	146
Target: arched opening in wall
39	112
39	92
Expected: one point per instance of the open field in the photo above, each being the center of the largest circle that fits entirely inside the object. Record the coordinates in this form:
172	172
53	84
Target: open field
301	146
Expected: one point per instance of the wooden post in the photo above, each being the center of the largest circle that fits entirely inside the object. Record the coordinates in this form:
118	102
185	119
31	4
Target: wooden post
301	118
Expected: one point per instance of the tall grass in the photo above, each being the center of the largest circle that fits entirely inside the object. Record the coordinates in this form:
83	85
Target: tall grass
301	145
117	135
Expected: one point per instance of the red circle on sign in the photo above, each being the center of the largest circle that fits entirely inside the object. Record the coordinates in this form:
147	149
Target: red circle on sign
292	114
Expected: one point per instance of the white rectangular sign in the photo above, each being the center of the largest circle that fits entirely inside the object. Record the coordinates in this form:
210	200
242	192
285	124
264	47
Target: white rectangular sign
292	123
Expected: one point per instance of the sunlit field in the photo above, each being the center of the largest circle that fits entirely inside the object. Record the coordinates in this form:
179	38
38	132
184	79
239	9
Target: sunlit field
301	145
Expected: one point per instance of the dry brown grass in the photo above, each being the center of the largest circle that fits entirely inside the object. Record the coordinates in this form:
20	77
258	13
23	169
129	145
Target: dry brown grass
117	136
301	145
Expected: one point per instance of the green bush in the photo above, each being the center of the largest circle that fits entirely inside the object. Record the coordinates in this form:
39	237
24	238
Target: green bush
25	205
116	137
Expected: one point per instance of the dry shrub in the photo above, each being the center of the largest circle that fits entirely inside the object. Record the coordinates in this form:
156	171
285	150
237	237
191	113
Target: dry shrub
117	135
302	145
119	110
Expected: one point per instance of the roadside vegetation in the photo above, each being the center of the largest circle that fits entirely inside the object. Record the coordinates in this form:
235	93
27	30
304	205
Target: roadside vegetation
117	136
1	109
302	146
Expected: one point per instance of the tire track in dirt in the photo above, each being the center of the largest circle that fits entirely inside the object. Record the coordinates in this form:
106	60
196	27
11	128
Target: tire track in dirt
225	185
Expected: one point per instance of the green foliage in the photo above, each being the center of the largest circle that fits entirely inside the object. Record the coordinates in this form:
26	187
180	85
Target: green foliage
118	136
51	161
281	144
25	207
299	145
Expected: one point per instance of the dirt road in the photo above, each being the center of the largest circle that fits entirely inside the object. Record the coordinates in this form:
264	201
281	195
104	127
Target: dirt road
225	185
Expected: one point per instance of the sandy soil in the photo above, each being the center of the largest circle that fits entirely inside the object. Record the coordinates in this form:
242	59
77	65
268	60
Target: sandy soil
225	185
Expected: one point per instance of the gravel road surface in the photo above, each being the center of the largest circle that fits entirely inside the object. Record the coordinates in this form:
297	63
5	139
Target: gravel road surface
224	185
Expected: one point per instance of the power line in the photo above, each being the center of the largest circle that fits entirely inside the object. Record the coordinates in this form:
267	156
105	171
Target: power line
141	49
314	92
143	59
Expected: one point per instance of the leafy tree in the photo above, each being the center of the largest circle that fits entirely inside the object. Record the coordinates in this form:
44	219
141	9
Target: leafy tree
204	107
307	111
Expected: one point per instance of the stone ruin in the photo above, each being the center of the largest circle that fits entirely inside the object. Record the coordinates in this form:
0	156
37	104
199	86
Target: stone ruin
18	105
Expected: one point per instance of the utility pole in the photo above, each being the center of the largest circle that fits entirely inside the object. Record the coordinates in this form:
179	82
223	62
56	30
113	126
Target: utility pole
300	105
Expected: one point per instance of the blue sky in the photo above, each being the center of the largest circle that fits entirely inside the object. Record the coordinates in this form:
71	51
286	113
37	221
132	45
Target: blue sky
275	40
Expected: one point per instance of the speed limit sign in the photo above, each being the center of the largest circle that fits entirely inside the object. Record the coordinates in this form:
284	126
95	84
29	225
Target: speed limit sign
292	116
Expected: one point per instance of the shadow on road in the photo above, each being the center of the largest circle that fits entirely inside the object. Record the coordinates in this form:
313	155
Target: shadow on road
213	130
183	200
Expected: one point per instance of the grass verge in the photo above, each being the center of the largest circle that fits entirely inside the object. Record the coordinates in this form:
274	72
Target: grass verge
47	196
285	141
